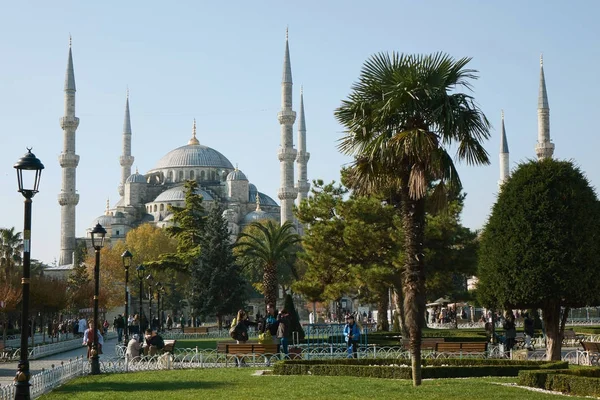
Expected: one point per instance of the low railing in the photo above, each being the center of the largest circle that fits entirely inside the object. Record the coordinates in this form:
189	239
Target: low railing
50	378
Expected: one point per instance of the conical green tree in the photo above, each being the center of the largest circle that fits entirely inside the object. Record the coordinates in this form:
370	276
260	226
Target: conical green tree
401	118
296	326
216	279
268	244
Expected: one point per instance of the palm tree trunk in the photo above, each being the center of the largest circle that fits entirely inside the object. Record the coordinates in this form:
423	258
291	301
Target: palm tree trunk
413	223
270	285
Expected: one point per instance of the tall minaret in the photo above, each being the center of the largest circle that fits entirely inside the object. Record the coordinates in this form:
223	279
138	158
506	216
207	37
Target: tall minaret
126	159
287	153
504	165
544	148
68	160
302	186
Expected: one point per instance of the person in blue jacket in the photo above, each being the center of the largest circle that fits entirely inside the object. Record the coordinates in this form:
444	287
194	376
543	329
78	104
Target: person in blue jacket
352	336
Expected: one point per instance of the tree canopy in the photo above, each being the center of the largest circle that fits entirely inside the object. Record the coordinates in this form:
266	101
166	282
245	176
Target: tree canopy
540	247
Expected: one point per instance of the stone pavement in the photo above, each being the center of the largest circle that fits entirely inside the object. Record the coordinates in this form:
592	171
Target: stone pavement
8	370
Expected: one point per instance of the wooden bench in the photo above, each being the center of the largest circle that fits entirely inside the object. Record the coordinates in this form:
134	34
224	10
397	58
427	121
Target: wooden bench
169	346
461	347
426	343
593	350
570	337
195	329
247	348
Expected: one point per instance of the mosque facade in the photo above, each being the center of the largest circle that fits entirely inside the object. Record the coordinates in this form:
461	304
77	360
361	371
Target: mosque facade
147	197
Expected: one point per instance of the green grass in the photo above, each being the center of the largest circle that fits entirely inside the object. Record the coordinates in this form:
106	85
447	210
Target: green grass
236	383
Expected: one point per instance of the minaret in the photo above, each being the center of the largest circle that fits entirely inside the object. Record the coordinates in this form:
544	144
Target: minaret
544	148
68	160
126	159
302	186
287	153
504	164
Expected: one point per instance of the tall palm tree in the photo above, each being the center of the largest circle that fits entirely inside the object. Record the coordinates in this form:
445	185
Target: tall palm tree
401	118
268	244
11	246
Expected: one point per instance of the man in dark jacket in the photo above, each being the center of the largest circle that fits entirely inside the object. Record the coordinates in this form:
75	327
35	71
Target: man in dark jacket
119	324
528	330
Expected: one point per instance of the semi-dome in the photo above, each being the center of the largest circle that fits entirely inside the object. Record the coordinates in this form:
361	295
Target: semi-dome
264	199
136	178
193	155
104	220
178	194
236	175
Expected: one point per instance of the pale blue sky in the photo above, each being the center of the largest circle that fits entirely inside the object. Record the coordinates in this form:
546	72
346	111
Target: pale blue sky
221	63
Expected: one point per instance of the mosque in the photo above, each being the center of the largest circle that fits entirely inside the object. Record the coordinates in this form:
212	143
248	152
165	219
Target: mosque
146	197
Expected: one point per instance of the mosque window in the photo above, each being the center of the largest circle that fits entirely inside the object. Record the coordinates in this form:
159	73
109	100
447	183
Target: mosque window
202	175
192	175
170	176
117	233
162	207
180	176
155	208
212	175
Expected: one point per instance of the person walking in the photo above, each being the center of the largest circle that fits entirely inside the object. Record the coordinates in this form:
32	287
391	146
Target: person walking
510	331
284	330
119	325
351	336
528	329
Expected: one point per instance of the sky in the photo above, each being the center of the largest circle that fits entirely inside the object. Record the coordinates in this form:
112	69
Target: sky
221	63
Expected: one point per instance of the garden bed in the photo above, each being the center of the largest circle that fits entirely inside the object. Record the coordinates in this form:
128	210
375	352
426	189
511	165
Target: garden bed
400	368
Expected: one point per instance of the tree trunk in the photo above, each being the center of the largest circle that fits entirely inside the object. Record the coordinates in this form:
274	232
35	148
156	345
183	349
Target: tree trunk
551	317
270	285
220	321
382	307
413	223
563	321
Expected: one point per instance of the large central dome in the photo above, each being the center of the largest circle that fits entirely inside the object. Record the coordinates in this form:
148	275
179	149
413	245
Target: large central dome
193	155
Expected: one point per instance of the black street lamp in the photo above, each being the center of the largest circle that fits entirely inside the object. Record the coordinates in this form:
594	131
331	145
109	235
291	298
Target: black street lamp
159	290
97	234
150	280
140	271
127	258
28	162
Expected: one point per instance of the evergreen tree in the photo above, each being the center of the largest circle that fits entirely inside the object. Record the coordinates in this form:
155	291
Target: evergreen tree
216	279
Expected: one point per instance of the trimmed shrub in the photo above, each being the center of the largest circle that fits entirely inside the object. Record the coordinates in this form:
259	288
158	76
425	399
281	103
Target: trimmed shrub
400	368
580	382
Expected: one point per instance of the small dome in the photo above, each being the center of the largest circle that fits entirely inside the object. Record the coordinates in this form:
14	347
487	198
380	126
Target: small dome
136	178
236	175
104	220
257	215
178	194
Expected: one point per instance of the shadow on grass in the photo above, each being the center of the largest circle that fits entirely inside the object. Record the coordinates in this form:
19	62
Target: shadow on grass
137	386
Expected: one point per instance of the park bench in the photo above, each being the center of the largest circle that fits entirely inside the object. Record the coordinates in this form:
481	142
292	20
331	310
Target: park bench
195	329
426	343
169	346
571	338
461	347
593	350
247	348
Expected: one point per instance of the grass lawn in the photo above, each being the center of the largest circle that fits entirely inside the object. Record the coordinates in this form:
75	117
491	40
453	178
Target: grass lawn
235	383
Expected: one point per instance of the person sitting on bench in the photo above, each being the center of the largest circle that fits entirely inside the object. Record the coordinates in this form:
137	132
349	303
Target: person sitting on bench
154	343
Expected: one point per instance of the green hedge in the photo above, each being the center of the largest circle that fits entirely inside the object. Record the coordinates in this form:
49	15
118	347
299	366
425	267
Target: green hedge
400	368
592	330
580	382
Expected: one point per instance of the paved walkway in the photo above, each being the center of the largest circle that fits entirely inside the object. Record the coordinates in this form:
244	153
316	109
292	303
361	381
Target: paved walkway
9	370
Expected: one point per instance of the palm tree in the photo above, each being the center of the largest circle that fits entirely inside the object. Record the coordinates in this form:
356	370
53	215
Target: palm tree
268	244
401	117
11	246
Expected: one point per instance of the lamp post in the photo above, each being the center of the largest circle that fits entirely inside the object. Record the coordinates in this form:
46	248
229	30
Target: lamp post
150	280
127	257
159	289
29	162
140	271
97	234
